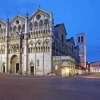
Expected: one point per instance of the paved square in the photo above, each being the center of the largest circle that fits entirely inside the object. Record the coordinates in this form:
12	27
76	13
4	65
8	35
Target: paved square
49	88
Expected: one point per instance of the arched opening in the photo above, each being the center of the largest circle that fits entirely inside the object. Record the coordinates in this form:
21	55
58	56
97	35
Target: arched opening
31	26
14	67
35	26
41	24
46	23
32	68
3	68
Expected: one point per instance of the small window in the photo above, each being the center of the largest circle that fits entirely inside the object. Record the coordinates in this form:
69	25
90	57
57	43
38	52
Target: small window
78	39
38	63
82	39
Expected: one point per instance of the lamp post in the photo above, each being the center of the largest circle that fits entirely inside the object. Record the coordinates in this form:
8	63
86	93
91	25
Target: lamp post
20	62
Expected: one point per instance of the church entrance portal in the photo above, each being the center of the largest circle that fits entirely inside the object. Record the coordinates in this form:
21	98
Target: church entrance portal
14	64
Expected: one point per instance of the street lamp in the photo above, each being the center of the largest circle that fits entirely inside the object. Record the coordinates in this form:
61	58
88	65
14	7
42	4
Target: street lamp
20	62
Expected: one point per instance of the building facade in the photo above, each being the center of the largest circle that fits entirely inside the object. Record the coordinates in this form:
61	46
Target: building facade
64	65
36	51
29	44
95	67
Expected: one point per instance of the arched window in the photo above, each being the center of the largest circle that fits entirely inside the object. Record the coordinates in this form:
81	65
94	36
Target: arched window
82	39
1	30
19	27
28	50
78	39
14	28
10	29
38	62
35	26
41	24
31	26
46	23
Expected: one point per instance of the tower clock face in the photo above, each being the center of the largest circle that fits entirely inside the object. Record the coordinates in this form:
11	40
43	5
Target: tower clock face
38	16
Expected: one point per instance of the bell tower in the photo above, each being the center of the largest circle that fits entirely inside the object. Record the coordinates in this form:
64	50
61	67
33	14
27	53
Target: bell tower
81	42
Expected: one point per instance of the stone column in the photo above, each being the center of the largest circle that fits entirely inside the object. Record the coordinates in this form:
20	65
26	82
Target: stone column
51	24
26	69
6	46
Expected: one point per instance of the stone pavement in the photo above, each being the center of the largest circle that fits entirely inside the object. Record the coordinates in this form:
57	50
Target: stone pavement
49	88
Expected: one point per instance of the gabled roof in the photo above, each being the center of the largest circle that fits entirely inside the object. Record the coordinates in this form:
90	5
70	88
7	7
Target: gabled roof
71	40
61	26
37	12
3	22
16	17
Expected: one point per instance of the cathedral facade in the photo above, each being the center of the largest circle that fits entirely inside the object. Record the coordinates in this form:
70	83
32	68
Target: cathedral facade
26	44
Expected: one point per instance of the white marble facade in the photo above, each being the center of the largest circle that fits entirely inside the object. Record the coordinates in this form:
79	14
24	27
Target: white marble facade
37	32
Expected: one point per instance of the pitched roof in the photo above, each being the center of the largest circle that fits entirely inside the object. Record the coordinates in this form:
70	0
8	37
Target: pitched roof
16	17
61	26
37	11
71	40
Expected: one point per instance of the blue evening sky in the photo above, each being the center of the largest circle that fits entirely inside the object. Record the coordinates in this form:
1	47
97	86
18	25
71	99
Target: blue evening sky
78	16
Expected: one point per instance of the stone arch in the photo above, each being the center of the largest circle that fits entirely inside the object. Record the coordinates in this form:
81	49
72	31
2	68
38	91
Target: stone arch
47	45
14	27
31	26
39	44
19	27
46	23
35	25
41	24
31	43
47	42
14	64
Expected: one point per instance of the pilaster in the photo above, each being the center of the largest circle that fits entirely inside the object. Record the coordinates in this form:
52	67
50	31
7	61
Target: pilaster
6	46
26	69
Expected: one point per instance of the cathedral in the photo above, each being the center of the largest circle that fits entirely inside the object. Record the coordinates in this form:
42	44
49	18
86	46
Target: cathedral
29	44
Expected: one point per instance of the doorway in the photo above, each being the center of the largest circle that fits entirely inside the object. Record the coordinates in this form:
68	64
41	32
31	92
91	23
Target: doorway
3	69
17	67
14	64
32	70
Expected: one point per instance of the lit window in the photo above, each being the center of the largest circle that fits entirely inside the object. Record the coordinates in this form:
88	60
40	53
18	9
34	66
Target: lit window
56	67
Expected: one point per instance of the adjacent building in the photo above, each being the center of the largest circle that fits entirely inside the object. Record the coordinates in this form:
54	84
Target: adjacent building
95	67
